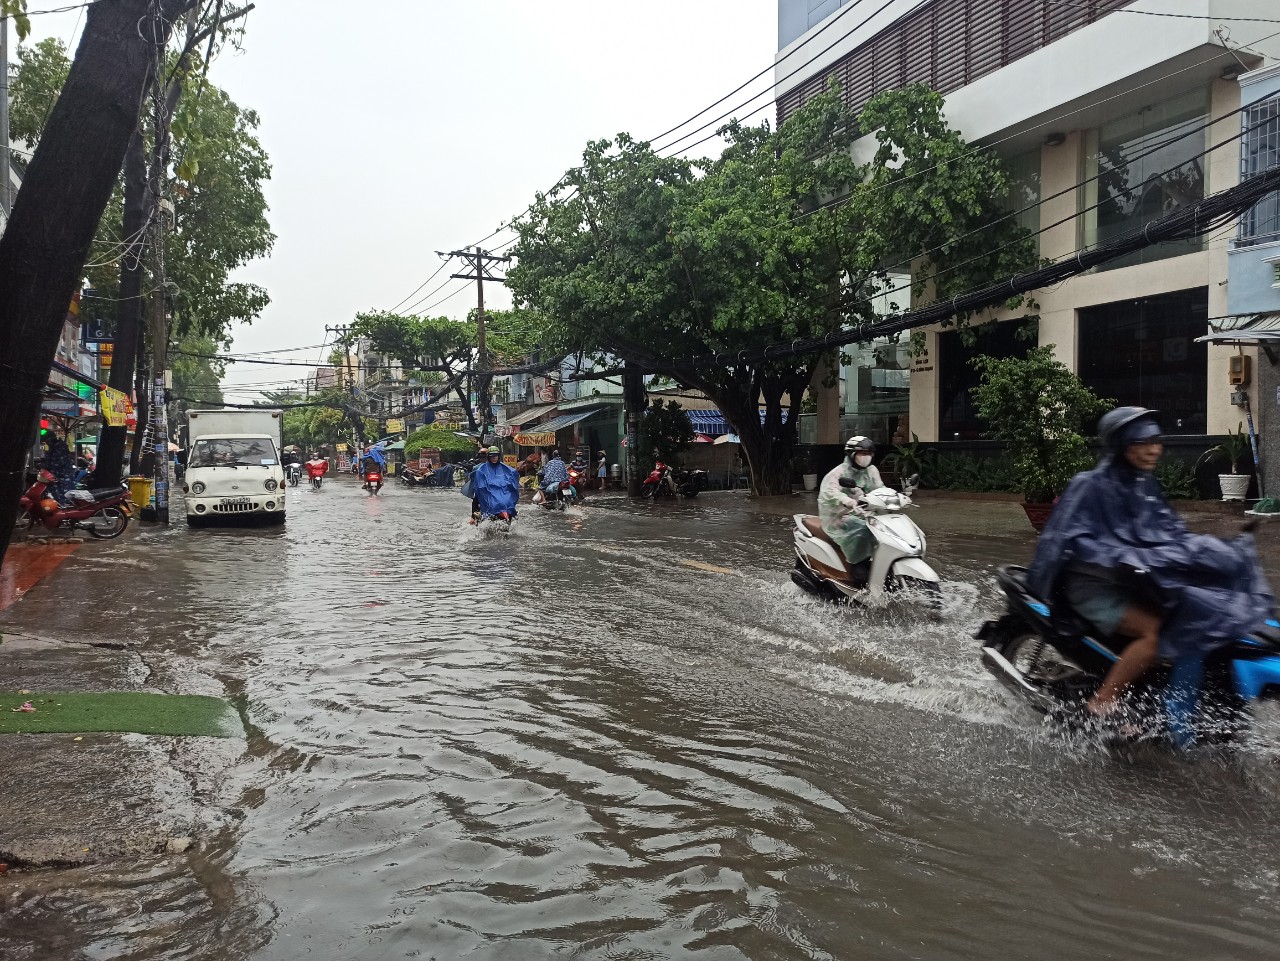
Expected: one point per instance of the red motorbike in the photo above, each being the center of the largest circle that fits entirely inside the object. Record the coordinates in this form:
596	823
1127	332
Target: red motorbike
578	481
103	513
665	482
373	481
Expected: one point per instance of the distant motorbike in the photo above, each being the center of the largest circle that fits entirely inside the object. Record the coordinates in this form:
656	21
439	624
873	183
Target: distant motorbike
316	469
664	481
372	481
897	562
104	512
293	472
557	496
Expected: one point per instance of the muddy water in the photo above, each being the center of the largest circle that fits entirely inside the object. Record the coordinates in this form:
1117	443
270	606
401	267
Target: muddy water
622	733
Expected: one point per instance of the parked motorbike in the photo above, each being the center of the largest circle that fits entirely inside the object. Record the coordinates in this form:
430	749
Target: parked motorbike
104	512
411	477
293	473
1056	661
897	562
372	481
664	481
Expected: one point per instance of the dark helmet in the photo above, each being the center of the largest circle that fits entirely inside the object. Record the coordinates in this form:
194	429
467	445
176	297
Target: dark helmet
859	444
1115	428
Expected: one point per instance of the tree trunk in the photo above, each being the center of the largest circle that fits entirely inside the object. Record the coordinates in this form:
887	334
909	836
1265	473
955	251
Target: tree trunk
110	459
64	192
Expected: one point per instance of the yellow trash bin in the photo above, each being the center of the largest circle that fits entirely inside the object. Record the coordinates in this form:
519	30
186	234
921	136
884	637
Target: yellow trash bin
140	490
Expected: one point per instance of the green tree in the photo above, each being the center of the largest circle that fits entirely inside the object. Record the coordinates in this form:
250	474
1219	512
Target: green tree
662	260
1039	407
446	349
665	433
219	212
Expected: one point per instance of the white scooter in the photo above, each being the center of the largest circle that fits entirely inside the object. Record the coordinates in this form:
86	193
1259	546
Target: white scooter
897	562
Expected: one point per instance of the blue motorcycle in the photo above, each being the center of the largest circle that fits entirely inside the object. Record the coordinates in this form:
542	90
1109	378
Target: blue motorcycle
1056	661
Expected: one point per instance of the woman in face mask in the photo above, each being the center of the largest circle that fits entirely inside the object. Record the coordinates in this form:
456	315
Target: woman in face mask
840	508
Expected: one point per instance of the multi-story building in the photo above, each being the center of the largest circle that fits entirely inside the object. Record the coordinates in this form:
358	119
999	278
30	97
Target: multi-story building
1107	114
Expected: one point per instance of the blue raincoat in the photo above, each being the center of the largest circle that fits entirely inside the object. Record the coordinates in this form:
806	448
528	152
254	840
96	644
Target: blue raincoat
495	488
1116	517
375	454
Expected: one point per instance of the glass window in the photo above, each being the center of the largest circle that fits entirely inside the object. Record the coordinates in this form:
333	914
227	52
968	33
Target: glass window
1147	166
1144	352
1261	151
232	452
1024	190
957	419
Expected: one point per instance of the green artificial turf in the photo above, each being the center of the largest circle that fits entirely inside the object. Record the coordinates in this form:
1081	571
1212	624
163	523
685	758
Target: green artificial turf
81	713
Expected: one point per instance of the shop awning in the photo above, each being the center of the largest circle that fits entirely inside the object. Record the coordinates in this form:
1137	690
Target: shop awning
709	422
74	374
567	420
1246	331
526	416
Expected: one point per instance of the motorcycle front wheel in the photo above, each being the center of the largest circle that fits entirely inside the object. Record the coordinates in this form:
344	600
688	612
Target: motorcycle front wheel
648	489
928	591
107	523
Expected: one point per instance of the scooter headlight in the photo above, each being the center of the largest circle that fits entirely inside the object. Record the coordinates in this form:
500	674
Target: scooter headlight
197	488
270	484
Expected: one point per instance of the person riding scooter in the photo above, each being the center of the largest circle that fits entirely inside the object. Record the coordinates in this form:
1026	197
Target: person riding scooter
1115	552
494	488
316	467
840	506
553	474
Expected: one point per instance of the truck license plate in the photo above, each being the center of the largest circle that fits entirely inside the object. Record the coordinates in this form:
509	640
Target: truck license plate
235	500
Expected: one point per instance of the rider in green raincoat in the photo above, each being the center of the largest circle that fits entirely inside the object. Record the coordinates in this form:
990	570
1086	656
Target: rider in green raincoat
840	508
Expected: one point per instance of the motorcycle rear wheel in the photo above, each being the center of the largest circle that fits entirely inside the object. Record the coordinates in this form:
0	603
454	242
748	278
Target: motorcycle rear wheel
648	489
107	522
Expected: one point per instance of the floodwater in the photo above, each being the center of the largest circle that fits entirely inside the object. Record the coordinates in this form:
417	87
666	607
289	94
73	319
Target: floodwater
621	733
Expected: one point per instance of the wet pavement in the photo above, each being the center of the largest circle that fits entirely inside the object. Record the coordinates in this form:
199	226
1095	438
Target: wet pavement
620	733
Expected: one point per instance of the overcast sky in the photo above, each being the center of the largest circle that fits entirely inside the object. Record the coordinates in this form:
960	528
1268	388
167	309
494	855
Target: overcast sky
400	127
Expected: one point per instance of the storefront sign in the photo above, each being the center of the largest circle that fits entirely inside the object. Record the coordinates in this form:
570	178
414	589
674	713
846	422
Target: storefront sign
394	426
536	439
115	407
922	363
510	460
105	352
340	448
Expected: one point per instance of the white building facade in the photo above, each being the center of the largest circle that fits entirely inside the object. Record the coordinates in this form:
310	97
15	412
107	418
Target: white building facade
1107	114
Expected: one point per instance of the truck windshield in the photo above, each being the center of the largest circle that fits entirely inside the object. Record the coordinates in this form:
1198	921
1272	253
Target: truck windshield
232	452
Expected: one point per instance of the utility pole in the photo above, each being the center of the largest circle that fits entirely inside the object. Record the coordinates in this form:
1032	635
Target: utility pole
633	399
479	261
5	204
349	409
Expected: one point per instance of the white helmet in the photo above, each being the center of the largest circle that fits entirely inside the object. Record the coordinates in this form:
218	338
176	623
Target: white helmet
859	444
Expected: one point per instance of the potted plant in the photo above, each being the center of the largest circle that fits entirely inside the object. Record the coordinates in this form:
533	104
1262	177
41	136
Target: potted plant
1235	448
809	470
907	459
1038	407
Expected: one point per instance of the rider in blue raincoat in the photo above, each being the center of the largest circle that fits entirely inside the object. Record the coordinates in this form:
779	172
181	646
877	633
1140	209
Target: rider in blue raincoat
494	487
371	458
1113	521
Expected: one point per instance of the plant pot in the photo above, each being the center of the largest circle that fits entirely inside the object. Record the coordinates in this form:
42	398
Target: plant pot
810	481
1038	514
1234	486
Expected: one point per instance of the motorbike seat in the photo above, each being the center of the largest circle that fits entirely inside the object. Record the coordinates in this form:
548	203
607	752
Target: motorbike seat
102	493
814	526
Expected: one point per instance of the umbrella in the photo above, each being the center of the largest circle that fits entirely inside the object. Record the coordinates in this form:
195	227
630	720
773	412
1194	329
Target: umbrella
173	447
702	439
728	439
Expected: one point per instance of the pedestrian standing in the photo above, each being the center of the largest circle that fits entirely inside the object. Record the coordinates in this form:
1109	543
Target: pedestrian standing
602	469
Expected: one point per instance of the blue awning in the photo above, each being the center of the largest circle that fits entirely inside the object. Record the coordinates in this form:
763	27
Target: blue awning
709	422
566	420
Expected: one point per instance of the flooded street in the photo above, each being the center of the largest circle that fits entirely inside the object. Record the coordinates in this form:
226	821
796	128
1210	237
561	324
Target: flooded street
622	733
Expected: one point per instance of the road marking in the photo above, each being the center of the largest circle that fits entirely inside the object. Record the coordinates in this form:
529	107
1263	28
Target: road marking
709	568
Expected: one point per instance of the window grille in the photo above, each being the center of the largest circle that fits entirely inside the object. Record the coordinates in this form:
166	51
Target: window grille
1259	152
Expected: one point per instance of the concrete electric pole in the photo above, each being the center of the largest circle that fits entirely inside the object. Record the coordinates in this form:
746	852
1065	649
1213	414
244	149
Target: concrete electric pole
479	262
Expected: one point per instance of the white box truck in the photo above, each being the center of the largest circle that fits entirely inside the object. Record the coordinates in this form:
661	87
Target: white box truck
233	466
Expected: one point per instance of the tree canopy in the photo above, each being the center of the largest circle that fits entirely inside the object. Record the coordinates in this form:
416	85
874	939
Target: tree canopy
665	261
